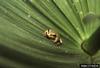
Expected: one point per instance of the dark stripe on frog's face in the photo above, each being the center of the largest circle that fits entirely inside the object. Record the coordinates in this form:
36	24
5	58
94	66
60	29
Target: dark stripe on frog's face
54	35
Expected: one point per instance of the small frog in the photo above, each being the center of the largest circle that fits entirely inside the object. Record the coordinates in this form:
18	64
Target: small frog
52	35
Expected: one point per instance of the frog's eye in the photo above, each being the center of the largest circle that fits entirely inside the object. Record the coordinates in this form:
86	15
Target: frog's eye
46	32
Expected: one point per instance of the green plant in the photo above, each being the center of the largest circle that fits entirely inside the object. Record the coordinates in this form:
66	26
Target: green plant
22	23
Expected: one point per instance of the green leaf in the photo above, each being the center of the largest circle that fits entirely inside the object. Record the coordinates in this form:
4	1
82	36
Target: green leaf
22	23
